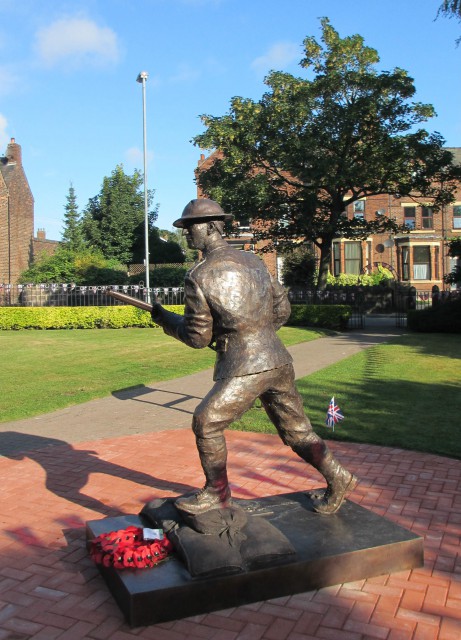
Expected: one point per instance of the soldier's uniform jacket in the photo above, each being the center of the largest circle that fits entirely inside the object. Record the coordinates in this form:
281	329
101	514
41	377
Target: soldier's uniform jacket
232	304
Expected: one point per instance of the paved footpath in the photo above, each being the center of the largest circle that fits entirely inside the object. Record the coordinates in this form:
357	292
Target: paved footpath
109	457
165	405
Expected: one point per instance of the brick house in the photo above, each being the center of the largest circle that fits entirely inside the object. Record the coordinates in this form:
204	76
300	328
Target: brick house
418	258
17	243
16	215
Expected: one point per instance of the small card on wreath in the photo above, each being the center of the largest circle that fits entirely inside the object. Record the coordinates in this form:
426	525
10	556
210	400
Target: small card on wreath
152	534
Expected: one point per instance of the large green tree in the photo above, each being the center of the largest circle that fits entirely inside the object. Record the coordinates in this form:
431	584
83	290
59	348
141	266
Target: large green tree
451	9
113	221
72	235
312	146
454	250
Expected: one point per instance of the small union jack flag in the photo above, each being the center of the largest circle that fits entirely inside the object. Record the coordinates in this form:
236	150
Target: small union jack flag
334	414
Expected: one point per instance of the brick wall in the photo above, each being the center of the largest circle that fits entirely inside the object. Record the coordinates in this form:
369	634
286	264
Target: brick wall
16	216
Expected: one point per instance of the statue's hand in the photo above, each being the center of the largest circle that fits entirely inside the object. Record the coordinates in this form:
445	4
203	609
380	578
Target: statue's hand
156	312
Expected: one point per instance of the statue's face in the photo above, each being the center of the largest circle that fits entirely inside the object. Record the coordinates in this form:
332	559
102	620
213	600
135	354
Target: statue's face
196	235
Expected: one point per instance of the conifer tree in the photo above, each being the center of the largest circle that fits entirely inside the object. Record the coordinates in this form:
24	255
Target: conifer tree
72	236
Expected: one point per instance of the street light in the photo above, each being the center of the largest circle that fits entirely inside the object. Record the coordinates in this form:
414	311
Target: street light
142	77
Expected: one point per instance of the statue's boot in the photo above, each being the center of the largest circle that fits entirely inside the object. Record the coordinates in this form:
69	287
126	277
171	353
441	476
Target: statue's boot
339	480
216	493
208	498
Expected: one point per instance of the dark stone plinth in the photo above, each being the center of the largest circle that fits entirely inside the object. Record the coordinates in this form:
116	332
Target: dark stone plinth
351	545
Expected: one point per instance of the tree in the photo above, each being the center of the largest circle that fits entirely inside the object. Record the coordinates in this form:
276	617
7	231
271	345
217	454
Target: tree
451	9
80	267
165	250
72	235
190	255
454	250
299	267
113	221
310	147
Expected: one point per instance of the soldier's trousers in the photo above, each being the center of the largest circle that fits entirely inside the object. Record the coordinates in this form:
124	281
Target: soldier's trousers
230	398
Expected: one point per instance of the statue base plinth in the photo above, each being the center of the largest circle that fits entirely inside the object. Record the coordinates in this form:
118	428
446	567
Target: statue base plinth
351	545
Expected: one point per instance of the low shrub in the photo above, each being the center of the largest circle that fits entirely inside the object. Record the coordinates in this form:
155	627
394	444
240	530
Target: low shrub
121	316
445	318
331	316
117	317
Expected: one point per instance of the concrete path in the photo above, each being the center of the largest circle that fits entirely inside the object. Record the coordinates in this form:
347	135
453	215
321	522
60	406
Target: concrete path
165	405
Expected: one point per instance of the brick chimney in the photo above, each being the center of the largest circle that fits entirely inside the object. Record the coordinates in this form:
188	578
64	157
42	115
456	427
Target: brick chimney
41	234
13	153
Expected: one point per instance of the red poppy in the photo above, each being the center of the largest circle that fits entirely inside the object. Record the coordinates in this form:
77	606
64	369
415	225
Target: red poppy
126	548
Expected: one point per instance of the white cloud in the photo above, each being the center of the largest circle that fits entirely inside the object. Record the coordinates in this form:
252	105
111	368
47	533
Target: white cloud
279	56
135	157
76	41
4	137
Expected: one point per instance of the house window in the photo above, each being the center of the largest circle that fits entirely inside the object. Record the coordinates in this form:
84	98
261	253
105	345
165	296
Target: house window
427	218
359	209
409	215
244	224
336	258
353	258
405	263
457	216
422	263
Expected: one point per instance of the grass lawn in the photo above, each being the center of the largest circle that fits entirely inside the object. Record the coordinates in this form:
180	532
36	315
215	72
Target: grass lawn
405	394
46	370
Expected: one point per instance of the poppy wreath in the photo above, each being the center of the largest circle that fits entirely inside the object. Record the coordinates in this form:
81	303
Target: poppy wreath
126	548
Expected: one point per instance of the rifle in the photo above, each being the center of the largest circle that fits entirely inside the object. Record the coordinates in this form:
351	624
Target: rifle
129	300
139	303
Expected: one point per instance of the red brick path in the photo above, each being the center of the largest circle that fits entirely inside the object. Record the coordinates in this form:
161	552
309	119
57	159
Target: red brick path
50	589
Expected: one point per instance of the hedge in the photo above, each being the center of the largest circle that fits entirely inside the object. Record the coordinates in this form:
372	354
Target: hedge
331	316
445	318
117	317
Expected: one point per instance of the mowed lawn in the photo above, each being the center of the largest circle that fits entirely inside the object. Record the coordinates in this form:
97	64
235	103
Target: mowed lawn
405	394
46	370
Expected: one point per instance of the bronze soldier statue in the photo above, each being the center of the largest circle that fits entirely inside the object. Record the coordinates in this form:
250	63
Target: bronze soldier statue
233	305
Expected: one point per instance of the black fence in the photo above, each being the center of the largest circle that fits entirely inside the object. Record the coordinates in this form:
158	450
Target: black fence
369	303
354	297
365	302
69	295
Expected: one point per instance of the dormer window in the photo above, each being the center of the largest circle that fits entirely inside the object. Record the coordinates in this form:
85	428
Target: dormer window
359	209
409	217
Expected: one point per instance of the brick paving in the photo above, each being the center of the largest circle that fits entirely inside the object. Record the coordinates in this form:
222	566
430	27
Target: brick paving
49	588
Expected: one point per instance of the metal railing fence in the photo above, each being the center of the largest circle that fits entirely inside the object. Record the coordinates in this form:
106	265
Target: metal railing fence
70	295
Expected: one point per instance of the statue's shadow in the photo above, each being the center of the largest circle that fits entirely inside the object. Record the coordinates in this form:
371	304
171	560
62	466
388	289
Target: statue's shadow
68	469
159	397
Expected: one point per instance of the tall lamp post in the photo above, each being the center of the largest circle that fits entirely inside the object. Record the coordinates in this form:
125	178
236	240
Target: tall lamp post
142	77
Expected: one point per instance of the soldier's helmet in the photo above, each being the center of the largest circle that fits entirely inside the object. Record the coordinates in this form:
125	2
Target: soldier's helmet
201	210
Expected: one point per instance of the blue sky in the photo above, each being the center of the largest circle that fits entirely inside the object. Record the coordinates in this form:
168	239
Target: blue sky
69	96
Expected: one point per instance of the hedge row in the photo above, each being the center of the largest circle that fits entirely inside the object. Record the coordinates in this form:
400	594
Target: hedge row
445	318
14	318
331	316
77	317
